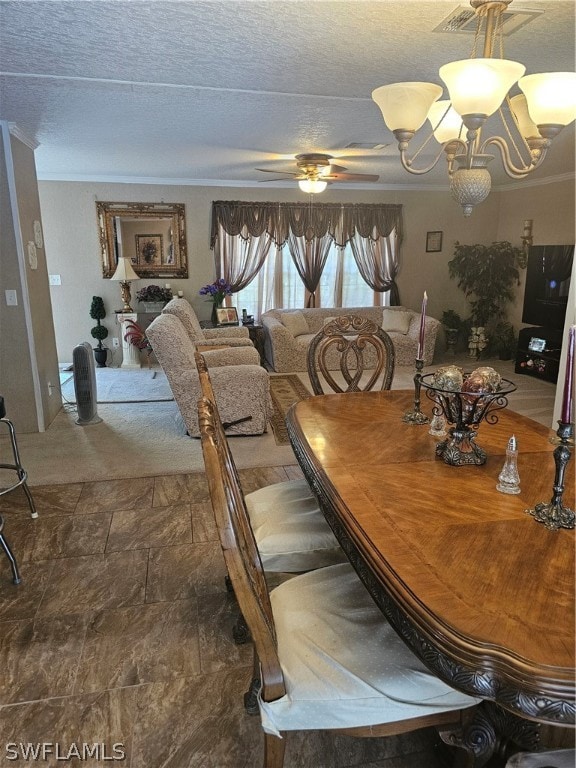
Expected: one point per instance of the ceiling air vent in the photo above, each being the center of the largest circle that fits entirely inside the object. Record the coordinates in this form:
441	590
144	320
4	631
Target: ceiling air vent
463	20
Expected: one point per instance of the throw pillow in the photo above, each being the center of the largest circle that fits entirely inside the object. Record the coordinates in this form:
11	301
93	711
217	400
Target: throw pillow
396	321
295	322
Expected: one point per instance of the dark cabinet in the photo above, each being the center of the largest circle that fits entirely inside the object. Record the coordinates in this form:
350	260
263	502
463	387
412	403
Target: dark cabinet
539	353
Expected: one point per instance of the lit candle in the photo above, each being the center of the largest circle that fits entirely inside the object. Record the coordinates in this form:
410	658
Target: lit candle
566	413
420	353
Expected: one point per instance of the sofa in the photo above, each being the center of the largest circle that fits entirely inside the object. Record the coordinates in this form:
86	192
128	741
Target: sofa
288	332
241	385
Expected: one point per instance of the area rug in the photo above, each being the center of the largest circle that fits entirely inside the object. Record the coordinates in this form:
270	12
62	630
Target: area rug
286	389
123	385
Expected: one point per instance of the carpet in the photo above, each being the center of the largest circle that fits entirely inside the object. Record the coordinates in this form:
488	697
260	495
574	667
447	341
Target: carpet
123	385
285	389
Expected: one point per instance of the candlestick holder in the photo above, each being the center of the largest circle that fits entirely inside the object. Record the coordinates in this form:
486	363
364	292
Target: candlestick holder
554	514
416	416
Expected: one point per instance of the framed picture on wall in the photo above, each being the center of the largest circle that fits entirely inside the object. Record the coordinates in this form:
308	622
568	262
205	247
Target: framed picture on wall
433	242
149	250
227	316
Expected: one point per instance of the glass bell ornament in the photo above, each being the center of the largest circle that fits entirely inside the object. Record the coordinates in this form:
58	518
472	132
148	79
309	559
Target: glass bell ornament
509	479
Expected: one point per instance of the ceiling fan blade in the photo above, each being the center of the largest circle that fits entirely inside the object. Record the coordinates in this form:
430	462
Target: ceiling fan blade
335	169
278	170
352	177
277	178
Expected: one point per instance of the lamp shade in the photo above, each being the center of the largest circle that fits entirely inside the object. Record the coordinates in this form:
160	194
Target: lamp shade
551	97
312	186
124	270
479	86
451	126
526	126
404	106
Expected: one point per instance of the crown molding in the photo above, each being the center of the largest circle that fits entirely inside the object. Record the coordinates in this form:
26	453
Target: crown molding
19	134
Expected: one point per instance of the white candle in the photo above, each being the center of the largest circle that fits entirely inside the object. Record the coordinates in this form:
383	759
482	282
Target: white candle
421	338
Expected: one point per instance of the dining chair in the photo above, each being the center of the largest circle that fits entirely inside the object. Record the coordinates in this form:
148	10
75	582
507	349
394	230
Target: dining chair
355	346
327	657
291	532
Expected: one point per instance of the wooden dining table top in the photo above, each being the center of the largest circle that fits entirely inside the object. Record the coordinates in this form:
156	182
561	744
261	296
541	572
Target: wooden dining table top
480	590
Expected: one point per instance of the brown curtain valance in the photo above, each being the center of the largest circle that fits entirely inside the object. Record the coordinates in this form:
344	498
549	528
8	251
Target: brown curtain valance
316	220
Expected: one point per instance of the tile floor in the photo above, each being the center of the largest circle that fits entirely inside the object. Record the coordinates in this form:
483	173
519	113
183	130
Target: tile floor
120	634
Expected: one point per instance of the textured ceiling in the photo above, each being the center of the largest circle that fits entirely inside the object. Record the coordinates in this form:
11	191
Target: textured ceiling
205	92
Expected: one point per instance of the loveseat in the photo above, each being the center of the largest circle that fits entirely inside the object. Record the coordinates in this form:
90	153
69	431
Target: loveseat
288	332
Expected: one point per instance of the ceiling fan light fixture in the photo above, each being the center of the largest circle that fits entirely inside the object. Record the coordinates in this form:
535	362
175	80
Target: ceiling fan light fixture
312	186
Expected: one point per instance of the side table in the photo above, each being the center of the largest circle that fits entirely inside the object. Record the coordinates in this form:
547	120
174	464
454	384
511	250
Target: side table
256	333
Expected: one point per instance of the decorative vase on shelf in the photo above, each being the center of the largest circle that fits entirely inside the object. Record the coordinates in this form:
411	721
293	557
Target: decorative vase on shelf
154	306
215	305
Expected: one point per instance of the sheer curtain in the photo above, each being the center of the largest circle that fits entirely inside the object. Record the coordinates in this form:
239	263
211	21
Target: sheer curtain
309	256
377	260
240	257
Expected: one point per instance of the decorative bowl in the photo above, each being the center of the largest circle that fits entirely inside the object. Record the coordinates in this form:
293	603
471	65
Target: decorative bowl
465	411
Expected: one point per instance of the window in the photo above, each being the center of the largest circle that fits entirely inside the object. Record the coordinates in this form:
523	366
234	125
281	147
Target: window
279	285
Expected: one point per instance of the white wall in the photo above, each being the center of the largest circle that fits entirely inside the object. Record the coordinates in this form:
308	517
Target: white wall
72	247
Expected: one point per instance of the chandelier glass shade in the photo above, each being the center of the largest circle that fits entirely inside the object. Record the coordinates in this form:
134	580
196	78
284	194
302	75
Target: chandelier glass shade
312	186
477	88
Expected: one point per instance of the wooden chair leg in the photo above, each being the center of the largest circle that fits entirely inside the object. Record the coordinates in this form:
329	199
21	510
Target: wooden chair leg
251	695
274	749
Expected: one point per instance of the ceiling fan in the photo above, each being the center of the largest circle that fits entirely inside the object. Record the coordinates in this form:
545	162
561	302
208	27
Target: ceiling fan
316	171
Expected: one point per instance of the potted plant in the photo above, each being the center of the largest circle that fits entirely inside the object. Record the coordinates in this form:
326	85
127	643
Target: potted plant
503	340
154	297
100	332
136	336
486	274
452	323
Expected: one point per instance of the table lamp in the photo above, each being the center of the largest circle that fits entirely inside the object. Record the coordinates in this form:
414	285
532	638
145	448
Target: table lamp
124	273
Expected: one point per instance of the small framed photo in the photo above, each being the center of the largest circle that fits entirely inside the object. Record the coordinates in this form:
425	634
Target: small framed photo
227	316
433	242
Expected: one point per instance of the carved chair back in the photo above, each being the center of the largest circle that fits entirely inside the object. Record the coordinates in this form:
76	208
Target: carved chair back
351	337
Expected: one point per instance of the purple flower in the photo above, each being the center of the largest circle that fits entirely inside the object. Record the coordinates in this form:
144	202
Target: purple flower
217	291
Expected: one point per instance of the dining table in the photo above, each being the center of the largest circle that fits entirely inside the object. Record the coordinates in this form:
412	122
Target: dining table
480	590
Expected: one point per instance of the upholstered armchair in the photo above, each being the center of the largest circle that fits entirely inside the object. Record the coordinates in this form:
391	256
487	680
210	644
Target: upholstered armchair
241	384
231	336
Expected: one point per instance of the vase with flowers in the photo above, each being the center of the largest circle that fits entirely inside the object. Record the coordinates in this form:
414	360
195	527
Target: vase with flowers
216	293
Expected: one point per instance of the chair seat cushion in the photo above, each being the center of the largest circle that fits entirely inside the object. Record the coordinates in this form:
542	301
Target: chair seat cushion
290	530
344	666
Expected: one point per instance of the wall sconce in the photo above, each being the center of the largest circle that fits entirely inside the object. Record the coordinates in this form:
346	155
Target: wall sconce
527	235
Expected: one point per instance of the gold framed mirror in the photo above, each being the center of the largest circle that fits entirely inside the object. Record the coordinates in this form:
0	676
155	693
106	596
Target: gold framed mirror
152	235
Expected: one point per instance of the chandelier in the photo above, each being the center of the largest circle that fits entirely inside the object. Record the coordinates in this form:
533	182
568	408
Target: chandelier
477	88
